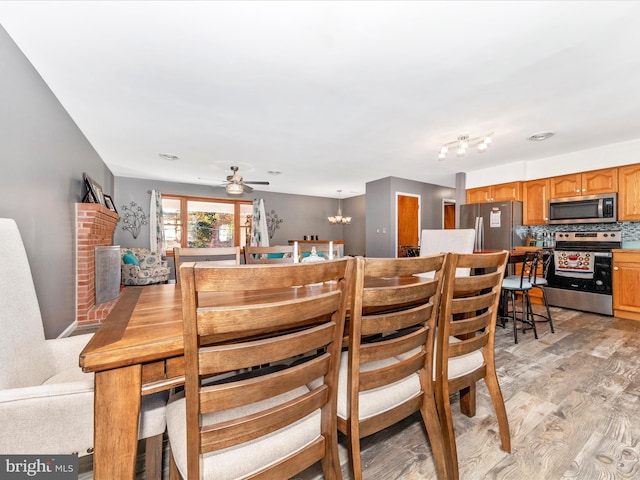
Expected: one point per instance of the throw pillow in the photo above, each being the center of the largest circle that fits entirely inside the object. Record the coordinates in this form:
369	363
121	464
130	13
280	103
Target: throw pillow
130	259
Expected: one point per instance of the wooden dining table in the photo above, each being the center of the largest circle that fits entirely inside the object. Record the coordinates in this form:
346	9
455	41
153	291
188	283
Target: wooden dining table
137	351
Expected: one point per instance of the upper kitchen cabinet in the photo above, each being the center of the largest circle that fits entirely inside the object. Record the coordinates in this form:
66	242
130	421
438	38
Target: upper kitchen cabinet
495	193
535	197
629	193
586	183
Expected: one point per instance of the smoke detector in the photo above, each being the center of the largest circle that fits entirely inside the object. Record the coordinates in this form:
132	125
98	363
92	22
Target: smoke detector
540	136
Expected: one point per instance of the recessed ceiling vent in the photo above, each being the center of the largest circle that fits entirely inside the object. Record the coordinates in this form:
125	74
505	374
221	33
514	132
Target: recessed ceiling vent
540	136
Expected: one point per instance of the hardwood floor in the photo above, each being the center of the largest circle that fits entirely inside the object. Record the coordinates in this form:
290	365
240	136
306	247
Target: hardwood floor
573	400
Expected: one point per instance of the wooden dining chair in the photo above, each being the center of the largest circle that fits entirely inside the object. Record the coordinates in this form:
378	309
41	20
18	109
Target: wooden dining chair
217	255
274	254
273	425
465	342
386	374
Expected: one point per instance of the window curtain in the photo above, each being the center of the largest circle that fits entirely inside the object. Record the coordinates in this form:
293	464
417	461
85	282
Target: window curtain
156	230
259	232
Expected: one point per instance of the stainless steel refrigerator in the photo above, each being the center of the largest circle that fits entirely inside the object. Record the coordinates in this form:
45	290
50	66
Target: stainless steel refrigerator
495	224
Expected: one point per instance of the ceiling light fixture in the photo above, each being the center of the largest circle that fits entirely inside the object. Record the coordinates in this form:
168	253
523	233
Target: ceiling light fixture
169	156
463	142
234	188
339	219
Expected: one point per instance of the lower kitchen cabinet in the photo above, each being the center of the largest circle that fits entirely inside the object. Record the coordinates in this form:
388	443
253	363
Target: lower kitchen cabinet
626	278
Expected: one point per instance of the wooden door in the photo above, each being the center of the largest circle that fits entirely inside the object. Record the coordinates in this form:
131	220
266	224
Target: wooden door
600	181
408	211
449	215
535	197
629	193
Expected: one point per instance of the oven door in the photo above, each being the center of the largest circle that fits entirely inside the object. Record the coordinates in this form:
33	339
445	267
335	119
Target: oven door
598	282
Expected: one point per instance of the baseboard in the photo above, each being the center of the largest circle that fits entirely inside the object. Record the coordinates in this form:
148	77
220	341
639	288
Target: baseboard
69	330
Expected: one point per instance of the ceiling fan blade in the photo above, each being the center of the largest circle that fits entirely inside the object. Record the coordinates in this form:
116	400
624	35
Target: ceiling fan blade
258	183
247	188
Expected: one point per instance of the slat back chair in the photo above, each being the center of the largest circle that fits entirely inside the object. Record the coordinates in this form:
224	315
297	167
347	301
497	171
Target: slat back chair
264	426
274	254
386	374
322	250
465	341
217	255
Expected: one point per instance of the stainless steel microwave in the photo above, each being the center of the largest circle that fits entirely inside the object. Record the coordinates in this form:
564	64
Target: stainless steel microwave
585	209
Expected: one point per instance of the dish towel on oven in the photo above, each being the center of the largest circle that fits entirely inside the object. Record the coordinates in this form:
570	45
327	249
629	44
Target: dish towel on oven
574	264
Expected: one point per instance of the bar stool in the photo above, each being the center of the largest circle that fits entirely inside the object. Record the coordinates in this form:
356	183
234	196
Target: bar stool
520	284
540	281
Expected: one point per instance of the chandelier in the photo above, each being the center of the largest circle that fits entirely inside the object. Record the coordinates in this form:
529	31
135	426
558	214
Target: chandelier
339	219
463	142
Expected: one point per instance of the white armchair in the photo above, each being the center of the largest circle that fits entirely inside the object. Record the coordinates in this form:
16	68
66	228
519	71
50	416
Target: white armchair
46	401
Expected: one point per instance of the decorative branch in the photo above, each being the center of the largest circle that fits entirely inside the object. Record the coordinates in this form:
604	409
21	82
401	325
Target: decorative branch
273	222
133	218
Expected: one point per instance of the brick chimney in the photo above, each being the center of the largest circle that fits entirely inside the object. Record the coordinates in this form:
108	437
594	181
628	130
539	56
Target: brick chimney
95	225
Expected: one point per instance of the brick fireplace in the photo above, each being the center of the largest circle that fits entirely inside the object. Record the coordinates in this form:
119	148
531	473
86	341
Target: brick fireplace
95	225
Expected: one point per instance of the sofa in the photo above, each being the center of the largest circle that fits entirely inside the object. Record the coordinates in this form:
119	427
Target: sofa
141	267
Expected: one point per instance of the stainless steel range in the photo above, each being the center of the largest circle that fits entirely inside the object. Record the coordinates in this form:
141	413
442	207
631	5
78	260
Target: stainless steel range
580	273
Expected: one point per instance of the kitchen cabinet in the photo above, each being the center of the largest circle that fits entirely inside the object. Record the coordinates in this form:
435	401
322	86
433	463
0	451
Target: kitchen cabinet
629	193
626	278
585	183
495	193
535	197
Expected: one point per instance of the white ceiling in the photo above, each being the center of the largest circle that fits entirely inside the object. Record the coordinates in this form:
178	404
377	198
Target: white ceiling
333	94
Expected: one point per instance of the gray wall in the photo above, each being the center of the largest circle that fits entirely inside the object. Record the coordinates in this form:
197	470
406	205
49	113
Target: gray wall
43	156
302	215
355	234
381	219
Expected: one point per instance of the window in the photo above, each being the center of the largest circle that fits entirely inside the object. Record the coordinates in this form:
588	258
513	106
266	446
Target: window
205	222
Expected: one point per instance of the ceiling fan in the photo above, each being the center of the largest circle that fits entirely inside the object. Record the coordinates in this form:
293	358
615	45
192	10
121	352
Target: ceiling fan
237	186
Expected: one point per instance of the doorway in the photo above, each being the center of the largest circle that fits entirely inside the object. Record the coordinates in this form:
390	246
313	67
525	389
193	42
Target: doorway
408	223
448	214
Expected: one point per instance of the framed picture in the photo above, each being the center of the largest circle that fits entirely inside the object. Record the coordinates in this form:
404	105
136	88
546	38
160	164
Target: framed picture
108	202
94	191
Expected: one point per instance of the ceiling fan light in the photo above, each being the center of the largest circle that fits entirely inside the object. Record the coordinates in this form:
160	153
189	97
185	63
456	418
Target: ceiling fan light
234	189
